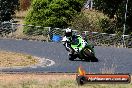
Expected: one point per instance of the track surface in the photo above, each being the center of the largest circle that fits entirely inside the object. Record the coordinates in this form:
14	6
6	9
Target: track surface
118	60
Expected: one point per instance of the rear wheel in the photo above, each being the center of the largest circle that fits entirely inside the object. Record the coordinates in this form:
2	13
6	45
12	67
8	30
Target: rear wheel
72	57
94	59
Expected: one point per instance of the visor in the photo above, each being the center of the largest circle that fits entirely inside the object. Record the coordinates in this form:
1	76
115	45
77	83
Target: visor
68	34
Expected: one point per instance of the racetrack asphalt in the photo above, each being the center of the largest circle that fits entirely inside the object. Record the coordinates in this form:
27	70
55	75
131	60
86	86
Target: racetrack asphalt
111	59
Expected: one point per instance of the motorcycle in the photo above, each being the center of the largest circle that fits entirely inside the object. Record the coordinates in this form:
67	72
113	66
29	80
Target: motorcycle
82	49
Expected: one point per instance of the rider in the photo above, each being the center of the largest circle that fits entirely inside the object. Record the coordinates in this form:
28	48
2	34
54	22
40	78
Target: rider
68	39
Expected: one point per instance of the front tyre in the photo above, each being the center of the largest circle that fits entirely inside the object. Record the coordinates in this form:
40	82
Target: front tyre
87	53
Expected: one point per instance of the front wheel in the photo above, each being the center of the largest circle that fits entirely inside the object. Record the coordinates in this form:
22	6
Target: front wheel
88	53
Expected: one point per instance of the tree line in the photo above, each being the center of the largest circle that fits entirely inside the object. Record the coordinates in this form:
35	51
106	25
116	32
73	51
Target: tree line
116	9
60	13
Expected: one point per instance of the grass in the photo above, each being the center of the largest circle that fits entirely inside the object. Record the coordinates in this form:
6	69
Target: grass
9	59
49	81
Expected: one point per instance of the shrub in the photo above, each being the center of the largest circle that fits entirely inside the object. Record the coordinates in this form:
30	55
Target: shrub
24	4
52	13
91	20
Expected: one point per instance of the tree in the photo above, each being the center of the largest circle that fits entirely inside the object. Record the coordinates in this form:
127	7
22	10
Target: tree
52	13
24	4
7	9
89	20
81	23
116	8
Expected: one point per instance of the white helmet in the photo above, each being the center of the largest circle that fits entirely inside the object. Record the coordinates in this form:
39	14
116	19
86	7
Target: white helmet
68	32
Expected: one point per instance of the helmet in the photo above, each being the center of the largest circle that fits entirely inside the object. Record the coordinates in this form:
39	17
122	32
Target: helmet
68	32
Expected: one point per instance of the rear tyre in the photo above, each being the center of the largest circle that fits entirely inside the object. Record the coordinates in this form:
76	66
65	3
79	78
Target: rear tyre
94	59
72	57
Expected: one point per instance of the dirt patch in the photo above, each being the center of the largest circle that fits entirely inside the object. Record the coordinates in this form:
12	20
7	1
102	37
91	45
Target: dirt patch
42	78
10	59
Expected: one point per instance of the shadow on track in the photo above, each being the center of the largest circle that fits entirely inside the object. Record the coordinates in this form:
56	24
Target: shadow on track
87	60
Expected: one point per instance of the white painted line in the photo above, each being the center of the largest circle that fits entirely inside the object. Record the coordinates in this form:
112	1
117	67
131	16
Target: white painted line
52	62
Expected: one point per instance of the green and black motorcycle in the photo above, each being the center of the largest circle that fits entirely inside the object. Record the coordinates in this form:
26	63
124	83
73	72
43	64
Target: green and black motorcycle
82	49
